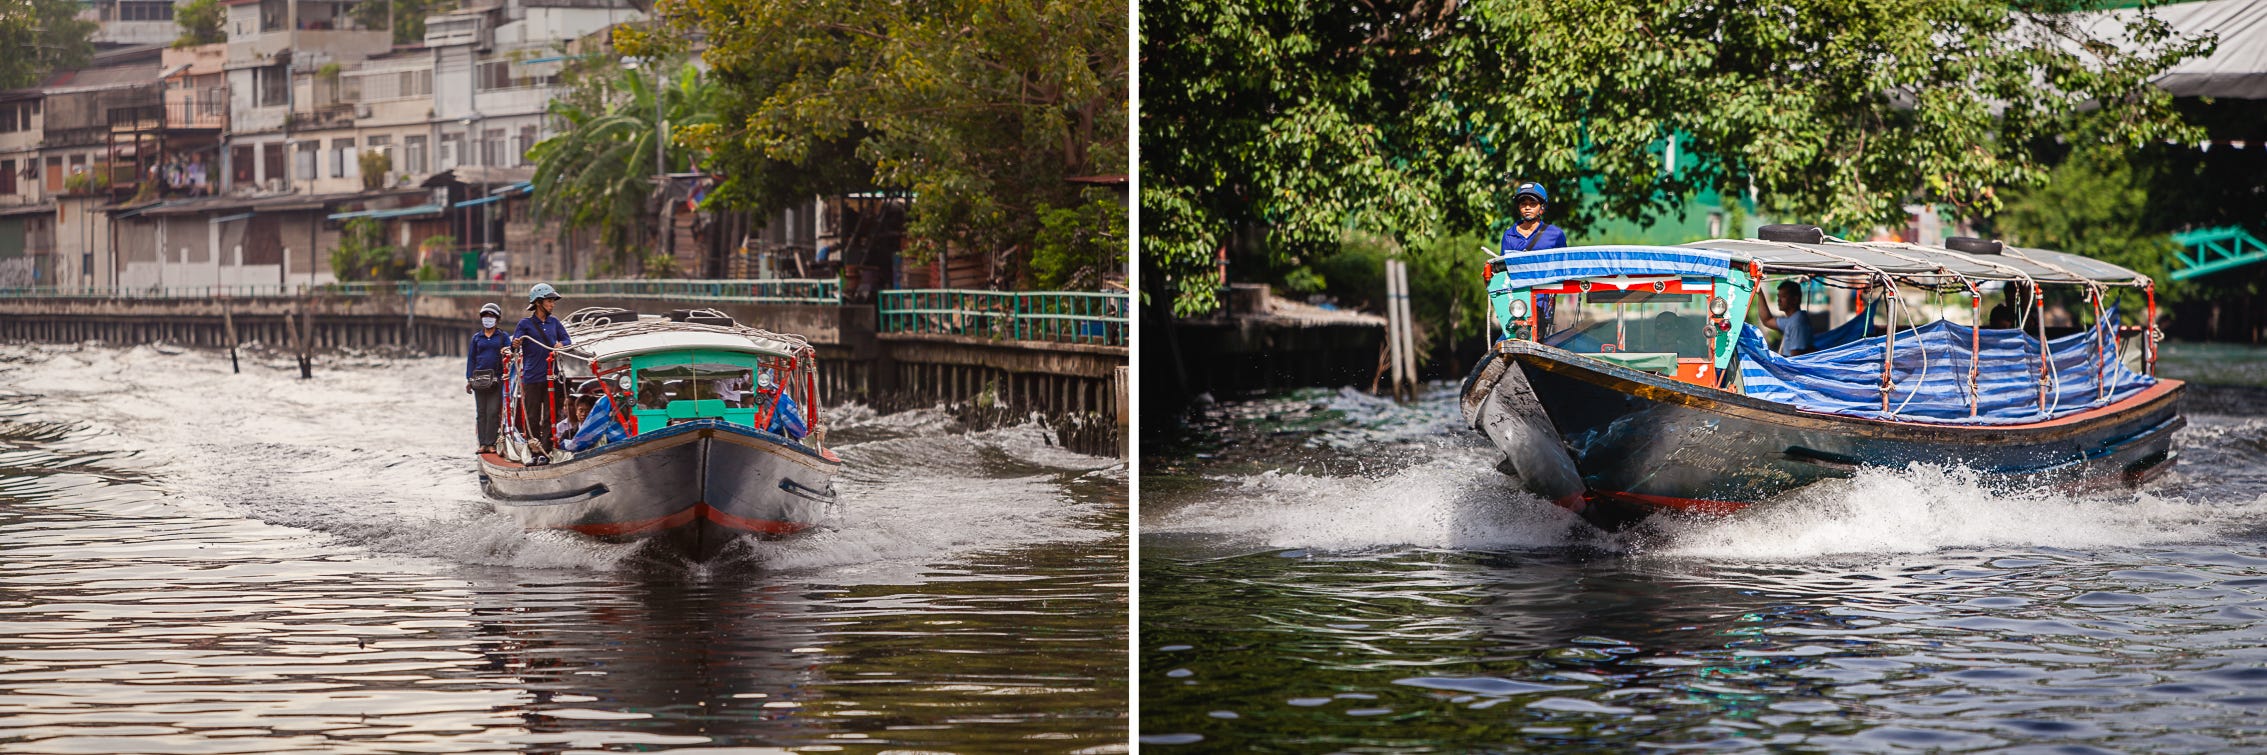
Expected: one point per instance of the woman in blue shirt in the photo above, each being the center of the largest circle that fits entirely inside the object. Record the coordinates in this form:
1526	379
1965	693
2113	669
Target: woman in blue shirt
484	376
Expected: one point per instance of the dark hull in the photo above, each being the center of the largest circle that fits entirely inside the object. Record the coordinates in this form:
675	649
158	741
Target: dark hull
1642	444
695	487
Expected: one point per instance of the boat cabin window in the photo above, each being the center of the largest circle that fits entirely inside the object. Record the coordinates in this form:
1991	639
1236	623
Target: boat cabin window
1612	320
657	387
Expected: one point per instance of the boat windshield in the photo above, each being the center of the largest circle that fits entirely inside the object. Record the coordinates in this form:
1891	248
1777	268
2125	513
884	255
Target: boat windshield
657	386
1609	321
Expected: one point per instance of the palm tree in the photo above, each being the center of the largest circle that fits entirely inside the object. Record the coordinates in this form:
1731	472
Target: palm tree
599	172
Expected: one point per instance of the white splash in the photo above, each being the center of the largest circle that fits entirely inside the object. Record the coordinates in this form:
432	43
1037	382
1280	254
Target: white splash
375	454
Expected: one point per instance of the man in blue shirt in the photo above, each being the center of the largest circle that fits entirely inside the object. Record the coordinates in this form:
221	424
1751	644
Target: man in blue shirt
1531	234
535	337
1793	324
485	358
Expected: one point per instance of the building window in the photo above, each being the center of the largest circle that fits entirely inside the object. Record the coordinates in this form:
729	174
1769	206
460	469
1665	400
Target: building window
491	143
342	158
303	161
526	142
413	155
7	176
142	10
271	86
497	75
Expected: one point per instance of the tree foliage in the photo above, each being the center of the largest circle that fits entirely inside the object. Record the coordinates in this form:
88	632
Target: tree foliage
599	171
363	254
1078	246
202	22
2096	203
979	108
43	36
1413	119
407	17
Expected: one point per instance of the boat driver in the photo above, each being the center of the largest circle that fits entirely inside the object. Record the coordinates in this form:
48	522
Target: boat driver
1793	325
536	335
1531	234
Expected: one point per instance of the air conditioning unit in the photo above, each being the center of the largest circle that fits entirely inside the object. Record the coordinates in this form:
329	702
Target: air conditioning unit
361	111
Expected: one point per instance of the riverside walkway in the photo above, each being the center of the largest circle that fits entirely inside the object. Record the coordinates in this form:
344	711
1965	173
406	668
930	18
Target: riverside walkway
1001	355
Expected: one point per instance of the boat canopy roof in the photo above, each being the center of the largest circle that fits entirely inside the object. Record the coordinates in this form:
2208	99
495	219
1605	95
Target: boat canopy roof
1913	260
609	343
1894	259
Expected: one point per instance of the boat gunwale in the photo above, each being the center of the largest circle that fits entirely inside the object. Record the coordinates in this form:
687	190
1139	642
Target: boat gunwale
659	440
1655	388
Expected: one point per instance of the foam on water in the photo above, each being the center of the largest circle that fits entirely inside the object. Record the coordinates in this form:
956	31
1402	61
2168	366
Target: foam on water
375	454
1926	508
1450	496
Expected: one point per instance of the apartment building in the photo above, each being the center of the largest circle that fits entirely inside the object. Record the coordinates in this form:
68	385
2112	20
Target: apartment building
238	162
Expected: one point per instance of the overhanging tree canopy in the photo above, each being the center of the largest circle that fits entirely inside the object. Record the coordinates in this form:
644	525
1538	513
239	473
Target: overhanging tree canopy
981	109
1414	119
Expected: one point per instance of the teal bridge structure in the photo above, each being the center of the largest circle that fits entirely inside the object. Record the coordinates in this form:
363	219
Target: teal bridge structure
2212	250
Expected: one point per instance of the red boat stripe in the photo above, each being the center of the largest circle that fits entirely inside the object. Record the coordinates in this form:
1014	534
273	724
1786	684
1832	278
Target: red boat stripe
1692	505
750	525
699	510
609	529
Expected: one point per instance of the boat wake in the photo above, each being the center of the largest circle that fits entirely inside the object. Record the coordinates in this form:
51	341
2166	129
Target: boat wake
1448	495
374	455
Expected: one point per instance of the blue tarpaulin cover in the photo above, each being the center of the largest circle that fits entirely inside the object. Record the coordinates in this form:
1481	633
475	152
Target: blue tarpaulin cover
1529	269
1929	375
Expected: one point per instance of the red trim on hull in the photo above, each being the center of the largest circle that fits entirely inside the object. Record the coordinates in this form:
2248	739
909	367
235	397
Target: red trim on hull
1688	505
763	526
618	529
698	511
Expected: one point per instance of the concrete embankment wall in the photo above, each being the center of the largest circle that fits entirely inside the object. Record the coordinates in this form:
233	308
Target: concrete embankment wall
1080	390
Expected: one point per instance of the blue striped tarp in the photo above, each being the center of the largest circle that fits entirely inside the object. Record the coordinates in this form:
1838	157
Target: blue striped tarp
1528	269
1929	375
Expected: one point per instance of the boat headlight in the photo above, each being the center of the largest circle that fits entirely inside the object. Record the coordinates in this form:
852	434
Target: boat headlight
1717	306
1519	308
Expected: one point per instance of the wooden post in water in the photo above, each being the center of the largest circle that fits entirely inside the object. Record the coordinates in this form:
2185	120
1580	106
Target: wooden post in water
228	323
1404	332
1392	330
306	336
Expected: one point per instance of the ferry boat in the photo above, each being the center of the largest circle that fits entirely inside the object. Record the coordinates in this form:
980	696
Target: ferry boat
703	431
1647	390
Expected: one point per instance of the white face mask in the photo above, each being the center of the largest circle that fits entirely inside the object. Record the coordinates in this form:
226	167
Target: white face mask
487	322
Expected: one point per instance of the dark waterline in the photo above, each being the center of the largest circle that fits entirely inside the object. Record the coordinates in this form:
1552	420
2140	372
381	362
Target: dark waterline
191	568
1323	571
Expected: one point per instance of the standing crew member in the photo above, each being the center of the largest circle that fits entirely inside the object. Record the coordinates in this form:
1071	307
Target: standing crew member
535	337
1531	234
483	376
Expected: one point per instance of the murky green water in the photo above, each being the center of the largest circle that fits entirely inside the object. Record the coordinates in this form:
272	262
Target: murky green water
1324	571
201	562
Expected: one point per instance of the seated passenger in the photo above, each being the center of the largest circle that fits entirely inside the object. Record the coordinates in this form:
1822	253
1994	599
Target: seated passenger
787	418
598	428
571	416
1678	334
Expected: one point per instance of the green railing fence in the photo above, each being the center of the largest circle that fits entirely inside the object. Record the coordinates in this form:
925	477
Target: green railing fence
1056	316
788	291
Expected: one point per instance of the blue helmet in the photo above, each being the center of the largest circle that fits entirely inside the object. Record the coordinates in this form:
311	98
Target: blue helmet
538	293
1532	189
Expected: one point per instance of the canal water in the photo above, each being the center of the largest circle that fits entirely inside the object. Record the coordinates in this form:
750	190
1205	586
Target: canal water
1327	571
205	562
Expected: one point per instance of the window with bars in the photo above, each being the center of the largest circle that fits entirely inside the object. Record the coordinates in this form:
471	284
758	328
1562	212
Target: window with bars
143	10
271	86
413	155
